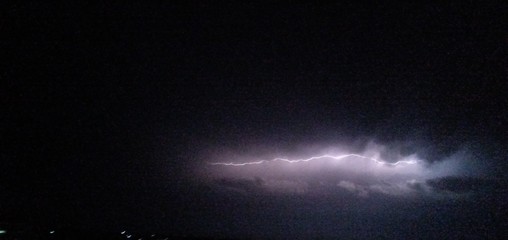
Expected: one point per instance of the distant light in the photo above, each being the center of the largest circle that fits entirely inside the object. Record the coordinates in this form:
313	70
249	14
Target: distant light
123	232
3	232
153	235
51	232
129	236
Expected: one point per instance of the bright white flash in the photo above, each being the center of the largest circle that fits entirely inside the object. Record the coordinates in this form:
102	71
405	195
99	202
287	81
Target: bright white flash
375	169
339	157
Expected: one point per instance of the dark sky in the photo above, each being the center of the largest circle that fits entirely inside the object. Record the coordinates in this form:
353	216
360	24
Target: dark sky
108	109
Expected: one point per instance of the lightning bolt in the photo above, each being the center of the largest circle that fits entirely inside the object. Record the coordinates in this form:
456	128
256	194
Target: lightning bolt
315	158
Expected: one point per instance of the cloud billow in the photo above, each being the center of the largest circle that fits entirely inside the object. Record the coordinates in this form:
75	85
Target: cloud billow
376	170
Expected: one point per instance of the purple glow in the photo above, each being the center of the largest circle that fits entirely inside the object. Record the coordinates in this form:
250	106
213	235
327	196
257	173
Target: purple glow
333	168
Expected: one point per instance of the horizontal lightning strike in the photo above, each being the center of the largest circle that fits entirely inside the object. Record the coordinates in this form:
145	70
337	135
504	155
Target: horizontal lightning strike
315	158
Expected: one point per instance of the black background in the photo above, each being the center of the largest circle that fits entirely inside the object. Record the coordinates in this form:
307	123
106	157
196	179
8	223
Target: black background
106	106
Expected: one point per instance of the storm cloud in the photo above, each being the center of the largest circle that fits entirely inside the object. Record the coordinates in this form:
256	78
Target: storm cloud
371	171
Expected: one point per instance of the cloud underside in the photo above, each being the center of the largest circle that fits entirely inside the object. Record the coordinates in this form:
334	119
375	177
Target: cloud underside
434	188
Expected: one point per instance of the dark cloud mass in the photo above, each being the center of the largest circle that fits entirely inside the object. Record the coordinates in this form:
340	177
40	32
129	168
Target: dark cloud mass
254	120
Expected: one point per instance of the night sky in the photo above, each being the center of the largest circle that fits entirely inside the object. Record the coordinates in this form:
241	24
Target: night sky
124	117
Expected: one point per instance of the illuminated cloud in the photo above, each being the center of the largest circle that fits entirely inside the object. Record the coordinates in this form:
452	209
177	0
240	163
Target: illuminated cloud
375	170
